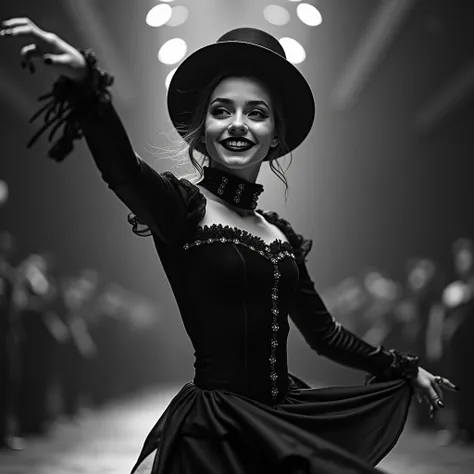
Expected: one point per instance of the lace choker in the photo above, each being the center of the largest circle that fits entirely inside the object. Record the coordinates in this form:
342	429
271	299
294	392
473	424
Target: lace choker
236	191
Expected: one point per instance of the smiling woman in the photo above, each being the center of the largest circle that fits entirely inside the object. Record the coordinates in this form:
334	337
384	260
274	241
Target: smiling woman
239	128
238	273
257	108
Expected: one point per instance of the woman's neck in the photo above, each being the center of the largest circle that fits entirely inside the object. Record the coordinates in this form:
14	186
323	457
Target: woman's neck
249	173
241	212
236	192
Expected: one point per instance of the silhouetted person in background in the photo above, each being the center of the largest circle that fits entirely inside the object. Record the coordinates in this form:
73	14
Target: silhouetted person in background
420	302
9	357
41	333
459	335
78	348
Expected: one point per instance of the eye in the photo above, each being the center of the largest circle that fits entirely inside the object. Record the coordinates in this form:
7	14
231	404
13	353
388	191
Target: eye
256	113
217	111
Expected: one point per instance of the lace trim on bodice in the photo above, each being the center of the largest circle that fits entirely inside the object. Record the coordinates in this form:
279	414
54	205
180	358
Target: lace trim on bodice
219	233
196	205
300	245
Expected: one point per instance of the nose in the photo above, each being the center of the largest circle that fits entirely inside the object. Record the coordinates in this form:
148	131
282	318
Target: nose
238	125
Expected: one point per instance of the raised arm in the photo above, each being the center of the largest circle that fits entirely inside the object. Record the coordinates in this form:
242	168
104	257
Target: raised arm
80	105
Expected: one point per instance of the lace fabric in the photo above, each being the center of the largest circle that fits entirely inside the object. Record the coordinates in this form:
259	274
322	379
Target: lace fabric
301	245
65	106
196	205
228	233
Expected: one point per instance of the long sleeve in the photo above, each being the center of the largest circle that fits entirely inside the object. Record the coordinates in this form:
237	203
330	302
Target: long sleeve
323	333
328	337
157	200
160	203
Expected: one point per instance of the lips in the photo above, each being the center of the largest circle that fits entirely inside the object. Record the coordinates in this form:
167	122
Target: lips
237	144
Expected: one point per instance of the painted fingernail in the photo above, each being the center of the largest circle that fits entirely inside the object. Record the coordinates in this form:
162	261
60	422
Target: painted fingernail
48	61
456	388
440	404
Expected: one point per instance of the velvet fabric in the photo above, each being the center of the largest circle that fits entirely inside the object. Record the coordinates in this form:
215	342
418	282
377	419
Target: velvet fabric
243	412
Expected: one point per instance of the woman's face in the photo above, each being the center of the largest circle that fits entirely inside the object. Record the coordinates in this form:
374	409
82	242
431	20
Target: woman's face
240	123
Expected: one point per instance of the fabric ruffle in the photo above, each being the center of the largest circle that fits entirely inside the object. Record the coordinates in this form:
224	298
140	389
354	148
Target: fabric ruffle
194	200
65	104
344	430
301	245
218	231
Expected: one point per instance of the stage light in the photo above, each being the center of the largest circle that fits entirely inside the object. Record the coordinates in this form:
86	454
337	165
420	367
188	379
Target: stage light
276	15
158	15
167	1
294	1
294	51
172	51
178	16
309	14
169	77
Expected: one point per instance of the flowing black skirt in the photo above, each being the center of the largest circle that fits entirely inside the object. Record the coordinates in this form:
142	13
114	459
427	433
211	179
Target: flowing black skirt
342	430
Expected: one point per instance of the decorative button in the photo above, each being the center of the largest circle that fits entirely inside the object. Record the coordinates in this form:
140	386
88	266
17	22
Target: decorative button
273	253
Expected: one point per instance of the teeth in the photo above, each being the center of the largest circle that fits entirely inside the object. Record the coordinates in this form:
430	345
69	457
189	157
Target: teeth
237	144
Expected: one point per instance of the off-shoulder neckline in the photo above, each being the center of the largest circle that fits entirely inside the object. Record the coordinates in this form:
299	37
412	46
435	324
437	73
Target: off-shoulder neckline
219	231
261	212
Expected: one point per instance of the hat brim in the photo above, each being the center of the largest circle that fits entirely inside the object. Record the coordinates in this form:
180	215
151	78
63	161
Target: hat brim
200	68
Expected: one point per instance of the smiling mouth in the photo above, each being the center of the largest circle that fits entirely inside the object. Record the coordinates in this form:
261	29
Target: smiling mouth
240	144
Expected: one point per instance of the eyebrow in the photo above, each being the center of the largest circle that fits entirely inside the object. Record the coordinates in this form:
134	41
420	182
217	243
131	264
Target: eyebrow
250	102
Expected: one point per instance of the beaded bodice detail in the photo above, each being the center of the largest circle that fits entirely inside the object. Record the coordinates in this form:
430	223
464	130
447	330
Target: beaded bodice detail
219	233
275	252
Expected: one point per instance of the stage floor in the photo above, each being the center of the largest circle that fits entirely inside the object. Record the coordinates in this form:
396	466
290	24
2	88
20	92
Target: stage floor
108	442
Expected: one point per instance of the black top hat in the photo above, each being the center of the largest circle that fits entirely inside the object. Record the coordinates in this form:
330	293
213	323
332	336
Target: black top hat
245	51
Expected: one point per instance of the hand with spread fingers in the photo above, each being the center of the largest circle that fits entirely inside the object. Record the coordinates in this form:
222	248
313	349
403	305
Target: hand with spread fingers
429	388
49	48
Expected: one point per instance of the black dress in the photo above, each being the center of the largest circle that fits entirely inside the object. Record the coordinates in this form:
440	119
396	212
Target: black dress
243	412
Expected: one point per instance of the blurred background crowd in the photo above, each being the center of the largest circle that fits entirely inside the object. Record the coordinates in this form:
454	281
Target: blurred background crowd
74	342
86	313
430	313
67	342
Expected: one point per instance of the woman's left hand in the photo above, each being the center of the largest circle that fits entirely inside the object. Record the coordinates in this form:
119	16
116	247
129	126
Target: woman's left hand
429	388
